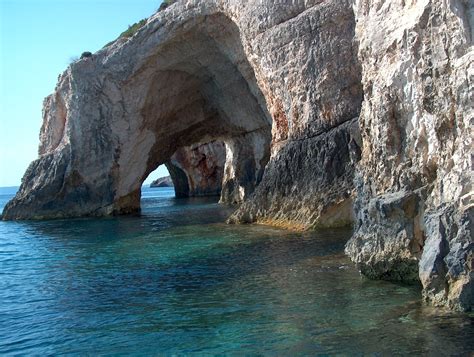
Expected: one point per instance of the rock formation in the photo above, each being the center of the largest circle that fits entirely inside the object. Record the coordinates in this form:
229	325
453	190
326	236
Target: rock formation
196	72
309	182
414	201
330	111
198	170
162	182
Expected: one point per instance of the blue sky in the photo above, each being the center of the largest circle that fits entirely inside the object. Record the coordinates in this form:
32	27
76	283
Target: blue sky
38	38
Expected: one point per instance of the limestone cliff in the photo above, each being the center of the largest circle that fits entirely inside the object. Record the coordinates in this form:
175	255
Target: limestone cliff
414	184
254	75
330	112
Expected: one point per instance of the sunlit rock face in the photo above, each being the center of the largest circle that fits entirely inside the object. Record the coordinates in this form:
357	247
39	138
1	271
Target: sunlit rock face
414	202
162	182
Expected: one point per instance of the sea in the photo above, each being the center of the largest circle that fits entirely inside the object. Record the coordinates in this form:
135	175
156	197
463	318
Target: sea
177	280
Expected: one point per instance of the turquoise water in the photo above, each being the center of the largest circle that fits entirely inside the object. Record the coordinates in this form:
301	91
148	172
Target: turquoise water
177	280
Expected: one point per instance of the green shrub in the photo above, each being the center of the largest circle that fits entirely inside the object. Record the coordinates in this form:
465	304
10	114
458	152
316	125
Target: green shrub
132	29
165	4
86	54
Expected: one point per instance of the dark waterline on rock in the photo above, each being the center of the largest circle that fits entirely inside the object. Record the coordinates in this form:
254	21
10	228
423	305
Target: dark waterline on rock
178	280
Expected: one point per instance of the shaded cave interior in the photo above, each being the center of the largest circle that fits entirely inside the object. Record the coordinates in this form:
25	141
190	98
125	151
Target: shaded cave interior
207	112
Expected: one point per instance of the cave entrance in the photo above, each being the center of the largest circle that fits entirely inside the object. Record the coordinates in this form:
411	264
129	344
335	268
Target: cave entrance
157	187
203	116
158	178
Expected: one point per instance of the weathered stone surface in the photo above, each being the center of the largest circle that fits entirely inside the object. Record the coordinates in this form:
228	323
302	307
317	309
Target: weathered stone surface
388	248
198	170
414	191
309	183
162	182
246	157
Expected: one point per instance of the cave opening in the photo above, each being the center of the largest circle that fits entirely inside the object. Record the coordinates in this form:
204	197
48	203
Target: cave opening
158	178
207	114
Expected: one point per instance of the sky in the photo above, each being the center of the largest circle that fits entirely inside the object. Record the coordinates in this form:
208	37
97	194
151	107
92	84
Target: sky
38	39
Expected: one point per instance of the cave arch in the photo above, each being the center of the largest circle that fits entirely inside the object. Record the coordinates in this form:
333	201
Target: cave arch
180	180
197	72
199	88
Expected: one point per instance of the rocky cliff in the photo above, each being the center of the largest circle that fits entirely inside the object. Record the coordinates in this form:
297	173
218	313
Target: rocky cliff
414	202
331	112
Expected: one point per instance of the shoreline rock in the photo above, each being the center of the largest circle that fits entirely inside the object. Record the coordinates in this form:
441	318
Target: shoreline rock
414	197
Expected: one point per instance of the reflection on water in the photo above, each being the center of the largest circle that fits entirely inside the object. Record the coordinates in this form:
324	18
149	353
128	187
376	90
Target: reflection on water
178	280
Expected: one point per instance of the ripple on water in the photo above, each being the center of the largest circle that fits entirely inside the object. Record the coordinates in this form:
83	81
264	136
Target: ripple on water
178	280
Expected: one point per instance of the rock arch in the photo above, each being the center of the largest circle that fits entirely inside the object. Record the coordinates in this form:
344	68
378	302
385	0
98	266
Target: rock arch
202	71
200	87
189	89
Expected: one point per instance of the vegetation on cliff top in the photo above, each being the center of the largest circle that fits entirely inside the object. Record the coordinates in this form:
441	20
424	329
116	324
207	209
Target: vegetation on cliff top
133	29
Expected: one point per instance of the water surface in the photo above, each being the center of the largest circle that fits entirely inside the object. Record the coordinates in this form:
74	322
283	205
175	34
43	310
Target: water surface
179	280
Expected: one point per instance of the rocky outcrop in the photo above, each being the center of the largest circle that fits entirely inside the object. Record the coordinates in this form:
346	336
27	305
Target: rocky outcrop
414	186
315	101
309	184
162	182
330	112
198	170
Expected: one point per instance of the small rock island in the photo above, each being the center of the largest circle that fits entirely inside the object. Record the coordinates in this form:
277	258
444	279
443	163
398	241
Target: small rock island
162	182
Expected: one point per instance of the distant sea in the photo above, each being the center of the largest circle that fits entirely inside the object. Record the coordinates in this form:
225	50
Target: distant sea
7	192
178	280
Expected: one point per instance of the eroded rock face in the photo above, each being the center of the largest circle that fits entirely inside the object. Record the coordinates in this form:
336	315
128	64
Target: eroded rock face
198	170
246	157
314	100
309	183
414	187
